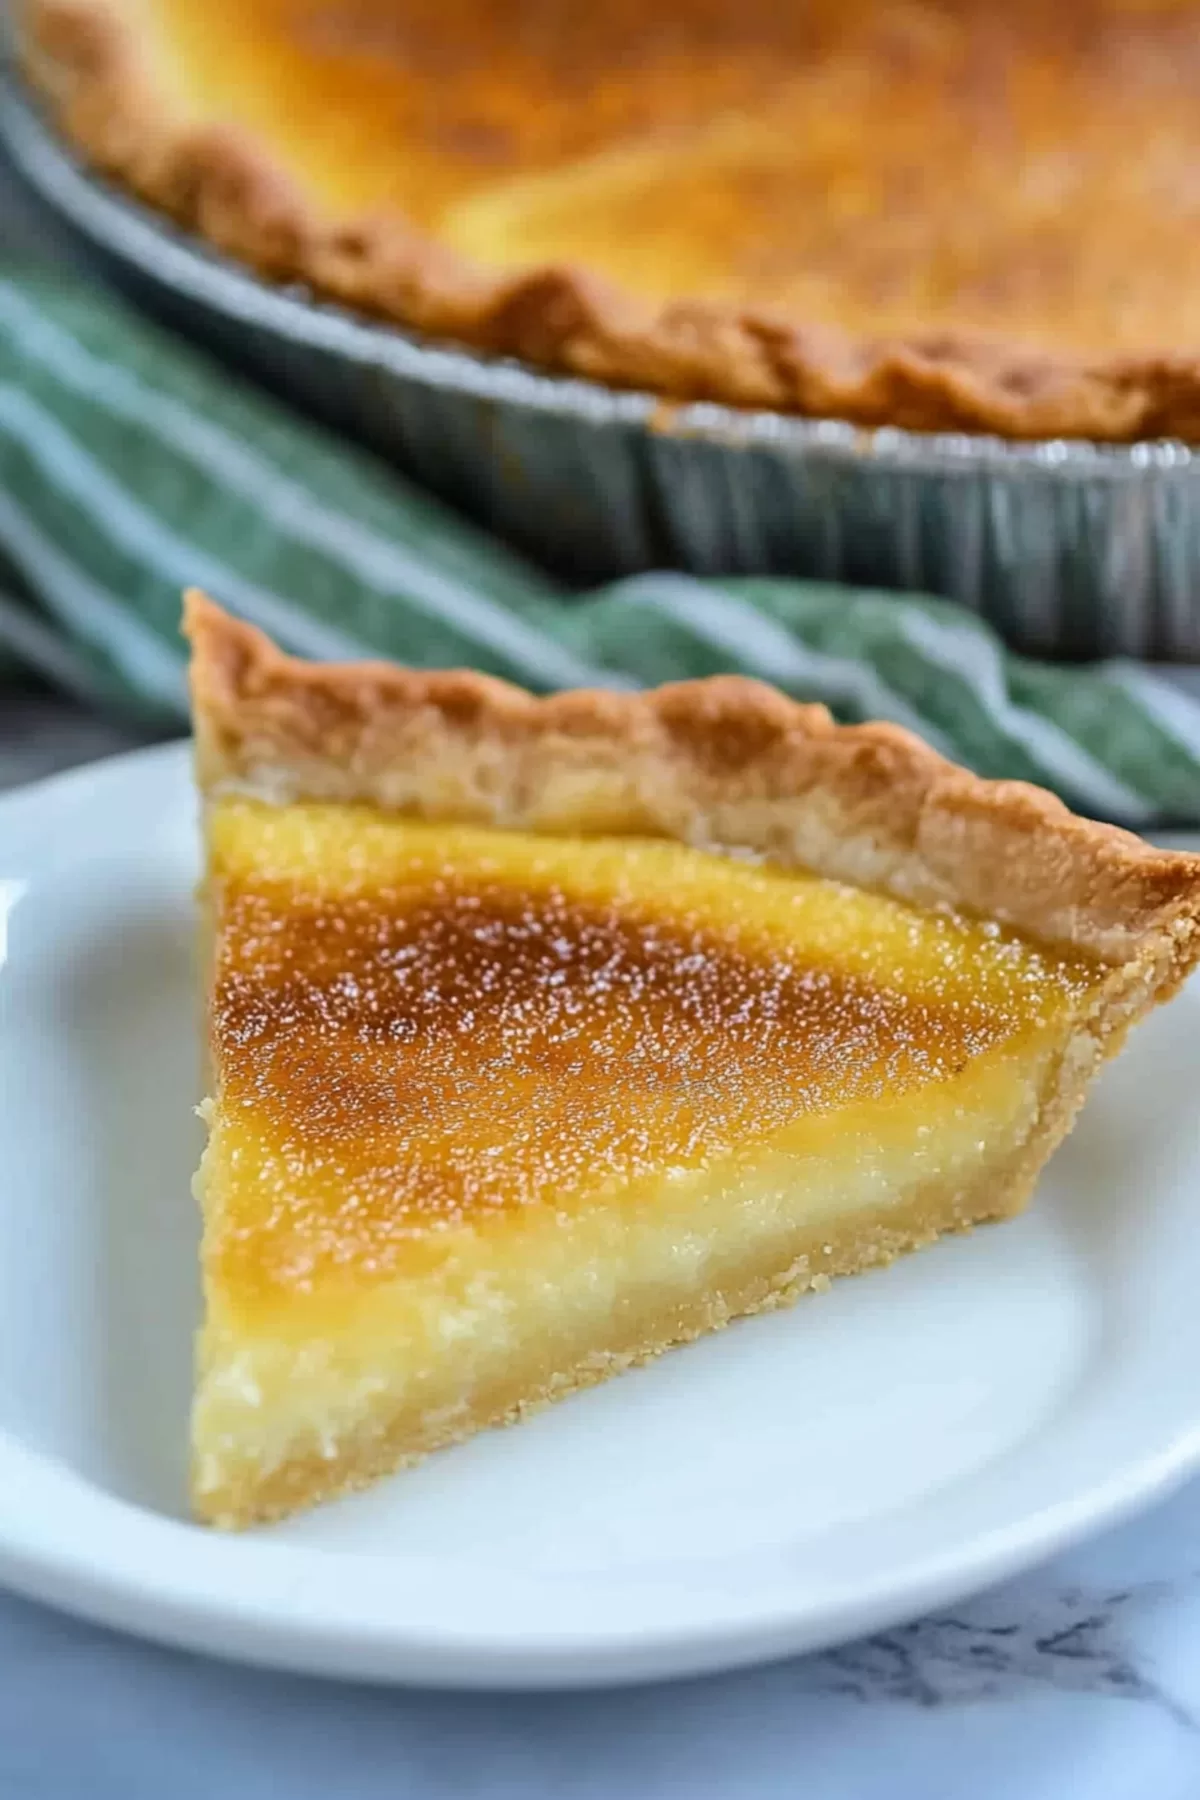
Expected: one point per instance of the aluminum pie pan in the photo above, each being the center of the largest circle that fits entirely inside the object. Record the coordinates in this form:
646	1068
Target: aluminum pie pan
1070	549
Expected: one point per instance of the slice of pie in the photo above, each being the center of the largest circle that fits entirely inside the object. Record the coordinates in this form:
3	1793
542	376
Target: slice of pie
963	213
547	1034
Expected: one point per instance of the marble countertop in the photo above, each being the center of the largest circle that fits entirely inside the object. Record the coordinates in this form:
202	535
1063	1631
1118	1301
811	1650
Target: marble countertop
1083	1679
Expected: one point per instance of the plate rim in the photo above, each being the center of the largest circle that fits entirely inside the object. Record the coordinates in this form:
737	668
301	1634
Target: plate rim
270	1603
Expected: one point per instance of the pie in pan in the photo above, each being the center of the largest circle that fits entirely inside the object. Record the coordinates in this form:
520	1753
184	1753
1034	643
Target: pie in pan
546	1034
926	213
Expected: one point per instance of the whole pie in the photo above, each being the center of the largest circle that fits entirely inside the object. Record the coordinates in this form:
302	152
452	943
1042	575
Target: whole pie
548	1034
933	213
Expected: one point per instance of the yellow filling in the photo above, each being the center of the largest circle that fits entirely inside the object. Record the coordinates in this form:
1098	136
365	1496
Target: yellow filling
481	1097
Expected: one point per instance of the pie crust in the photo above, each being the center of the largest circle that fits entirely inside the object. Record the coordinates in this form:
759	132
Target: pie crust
722	763
90	58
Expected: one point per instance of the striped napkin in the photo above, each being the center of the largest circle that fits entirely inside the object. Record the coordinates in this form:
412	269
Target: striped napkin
131	467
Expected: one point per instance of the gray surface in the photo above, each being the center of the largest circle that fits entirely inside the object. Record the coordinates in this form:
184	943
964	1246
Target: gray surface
41	734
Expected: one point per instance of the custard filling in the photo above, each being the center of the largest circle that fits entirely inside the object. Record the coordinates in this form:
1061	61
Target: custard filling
486	1101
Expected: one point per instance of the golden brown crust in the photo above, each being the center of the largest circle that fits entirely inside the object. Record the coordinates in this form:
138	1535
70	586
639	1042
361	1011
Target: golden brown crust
726	763
89	62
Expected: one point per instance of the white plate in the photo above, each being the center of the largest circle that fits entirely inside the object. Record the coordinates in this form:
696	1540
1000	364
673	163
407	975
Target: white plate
912	1435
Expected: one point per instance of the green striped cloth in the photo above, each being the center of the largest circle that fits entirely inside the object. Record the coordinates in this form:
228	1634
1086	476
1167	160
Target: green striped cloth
131	467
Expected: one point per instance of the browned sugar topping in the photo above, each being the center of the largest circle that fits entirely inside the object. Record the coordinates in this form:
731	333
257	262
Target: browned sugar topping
421	1059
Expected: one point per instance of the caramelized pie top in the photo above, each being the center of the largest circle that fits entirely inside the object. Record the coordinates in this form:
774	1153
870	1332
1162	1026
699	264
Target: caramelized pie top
420	1027
1027	170
916	211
